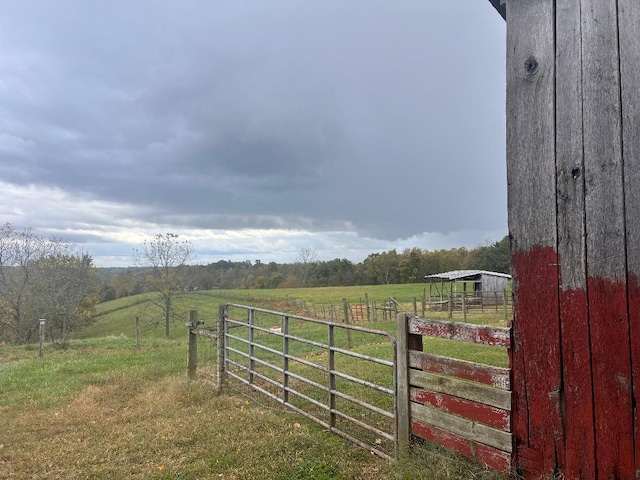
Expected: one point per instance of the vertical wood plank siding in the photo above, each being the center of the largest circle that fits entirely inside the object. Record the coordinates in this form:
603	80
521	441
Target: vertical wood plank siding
629	31
574	312
532	224
573	169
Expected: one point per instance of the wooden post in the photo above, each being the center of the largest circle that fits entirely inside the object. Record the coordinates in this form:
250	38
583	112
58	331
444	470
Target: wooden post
403	420
41	331
345	305
464	306
137	332
192	358
573	171
366	299
221	327
415	306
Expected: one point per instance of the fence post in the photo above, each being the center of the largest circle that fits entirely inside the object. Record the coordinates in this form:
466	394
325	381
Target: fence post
366	299
345	304
41	328
221	324
192	358
403	421
415	306
137	332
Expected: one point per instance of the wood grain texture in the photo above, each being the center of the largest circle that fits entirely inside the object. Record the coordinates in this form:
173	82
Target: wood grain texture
462	427
606	245
478	412
574	312
487	374
403	429
476	392
465	332
629	32
531	178
490	456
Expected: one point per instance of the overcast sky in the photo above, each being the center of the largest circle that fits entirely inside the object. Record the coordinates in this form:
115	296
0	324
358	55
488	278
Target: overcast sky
254	128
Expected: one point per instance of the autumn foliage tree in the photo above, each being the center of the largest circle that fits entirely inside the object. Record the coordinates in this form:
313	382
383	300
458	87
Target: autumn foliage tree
164	259
42	277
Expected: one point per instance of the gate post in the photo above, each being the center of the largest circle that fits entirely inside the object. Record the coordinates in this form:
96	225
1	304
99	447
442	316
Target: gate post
403	420
573	172
192	358
221	324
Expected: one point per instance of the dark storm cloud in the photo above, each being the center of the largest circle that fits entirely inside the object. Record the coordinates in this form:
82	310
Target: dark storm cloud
384	118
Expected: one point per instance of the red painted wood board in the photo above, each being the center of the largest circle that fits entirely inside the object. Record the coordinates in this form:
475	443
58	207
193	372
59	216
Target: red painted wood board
490	456
537	363
487	374
578	394
460	331
478	412
610	349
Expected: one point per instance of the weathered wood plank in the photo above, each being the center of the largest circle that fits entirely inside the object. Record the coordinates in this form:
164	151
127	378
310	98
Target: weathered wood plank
478	412
629	25
487	374
606	246
460	331
476	392
574	311
403	433
531	173
463	427
492	457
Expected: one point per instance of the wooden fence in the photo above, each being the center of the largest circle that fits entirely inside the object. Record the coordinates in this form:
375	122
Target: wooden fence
461	405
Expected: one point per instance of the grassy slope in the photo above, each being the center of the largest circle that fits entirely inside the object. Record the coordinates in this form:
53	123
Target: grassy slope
104	409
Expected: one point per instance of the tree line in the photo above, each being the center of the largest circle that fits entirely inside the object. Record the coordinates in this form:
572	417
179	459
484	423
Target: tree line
389	267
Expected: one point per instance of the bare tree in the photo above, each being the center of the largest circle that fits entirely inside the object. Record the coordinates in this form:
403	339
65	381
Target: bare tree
165	259
306	258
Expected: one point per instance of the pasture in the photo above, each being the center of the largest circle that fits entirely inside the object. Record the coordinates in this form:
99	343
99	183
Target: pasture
102	408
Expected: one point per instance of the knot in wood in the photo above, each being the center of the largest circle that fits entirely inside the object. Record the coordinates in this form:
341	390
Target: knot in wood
531	66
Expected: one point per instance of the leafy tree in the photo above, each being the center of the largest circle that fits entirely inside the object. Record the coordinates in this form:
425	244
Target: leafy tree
164	260
41	278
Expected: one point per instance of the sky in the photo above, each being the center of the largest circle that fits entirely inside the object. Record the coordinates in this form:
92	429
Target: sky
254	129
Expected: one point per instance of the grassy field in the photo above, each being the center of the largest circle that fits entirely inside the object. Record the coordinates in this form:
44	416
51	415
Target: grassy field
102	408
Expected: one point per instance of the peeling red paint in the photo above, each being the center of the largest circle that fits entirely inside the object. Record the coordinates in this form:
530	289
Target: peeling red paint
536	358
613	403
578	398
634	321
478	412
492	457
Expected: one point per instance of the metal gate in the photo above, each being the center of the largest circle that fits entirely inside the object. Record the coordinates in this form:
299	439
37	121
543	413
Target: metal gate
340	376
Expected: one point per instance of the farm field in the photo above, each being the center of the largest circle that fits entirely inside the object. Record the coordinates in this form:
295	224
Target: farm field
102	408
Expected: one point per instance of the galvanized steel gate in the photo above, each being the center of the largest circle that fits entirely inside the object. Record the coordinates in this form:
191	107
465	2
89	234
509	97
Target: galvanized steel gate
340	376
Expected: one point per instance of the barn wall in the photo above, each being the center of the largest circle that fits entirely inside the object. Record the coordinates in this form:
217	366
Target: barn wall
573	154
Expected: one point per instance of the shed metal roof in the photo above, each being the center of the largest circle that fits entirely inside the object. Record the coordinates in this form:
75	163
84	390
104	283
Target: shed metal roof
465	274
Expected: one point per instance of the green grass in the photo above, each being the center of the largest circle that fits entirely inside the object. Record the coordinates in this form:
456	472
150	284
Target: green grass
102	408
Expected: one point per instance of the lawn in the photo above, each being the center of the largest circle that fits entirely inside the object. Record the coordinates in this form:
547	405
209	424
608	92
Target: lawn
102	408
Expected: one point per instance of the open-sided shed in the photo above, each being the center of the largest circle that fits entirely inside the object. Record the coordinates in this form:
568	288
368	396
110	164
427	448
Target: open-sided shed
479	286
